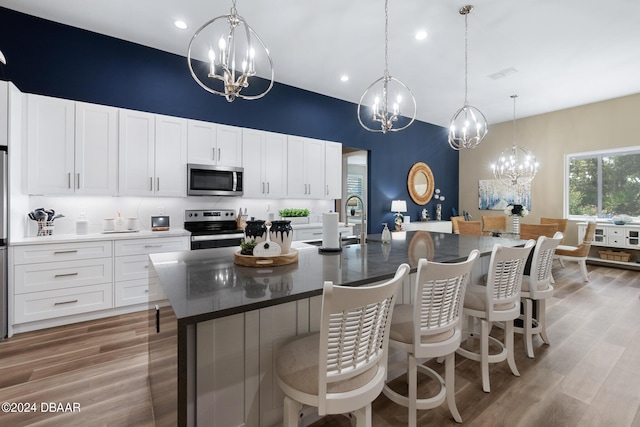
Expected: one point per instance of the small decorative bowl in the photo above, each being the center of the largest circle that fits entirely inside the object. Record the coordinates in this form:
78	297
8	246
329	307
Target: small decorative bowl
620	222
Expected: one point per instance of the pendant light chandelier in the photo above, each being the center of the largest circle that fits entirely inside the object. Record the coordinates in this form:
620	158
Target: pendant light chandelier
225	53
468	126
386	96
515	165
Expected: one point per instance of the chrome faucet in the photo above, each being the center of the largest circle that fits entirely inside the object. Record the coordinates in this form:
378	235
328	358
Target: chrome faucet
363	229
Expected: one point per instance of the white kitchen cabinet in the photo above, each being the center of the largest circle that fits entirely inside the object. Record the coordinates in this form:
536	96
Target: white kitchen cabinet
333	170
72	147
136	168
214	144
305	168
135	283
50	145
152	155
264	158
53	280
171	157
96	150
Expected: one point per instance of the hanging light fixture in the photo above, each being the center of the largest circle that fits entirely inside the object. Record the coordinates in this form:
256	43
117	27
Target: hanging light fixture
468	126
515	165
225	53
386	96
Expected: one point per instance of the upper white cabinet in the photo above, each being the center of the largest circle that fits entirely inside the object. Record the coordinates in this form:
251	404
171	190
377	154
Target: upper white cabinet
213	144
152	155
305	168
72	147
96	149
50	145
265	159
333	170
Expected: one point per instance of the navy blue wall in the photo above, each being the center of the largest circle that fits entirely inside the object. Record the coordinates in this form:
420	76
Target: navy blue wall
56	60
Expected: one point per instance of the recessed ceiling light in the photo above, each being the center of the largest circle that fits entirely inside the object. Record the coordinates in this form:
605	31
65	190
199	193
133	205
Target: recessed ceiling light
421	35
344	78
181	24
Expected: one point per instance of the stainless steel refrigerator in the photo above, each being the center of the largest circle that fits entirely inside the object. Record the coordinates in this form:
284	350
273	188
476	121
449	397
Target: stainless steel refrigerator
4	212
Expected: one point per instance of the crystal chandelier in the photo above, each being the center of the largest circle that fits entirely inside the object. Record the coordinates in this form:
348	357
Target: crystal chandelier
515	165
383	92
468	126
223	56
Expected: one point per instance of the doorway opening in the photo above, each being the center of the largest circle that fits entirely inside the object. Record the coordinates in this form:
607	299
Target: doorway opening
354	182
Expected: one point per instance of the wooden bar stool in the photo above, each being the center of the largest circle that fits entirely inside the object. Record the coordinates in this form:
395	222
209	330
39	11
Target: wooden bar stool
430	328
497	301
343	368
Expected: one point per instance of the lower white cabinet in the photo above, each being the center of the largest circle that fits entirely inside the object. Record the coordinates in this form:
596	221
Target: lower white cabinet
617	245
135	282
53	283
315	233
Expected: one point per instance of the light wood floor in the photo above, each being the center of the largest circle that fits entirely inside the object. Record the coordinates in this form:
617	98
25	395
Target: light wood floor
589	376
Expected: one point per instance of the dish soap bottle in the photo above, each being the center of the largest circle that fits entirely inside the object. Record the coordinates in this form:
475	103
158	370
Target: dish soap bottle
386	234
82	224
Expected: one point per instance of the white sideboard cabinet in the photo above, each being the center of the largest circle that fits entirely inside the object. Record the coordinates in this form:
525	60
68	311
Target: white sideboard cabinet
617	245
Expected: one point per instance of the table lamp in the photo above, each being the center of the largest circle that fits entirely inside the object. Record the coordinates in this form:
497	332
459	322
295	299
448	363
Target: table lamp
399	206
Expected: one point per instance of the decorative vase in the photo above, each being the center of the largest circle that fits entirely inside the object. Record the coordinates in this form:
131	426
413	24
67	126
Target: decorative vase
438	212
256	230
516	224
281	233
386	234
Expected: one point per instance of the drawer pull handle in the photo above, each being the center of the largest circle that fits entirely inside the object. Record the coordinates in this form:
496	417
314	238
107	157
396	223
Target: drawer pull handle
146	291
66	275
65	302
72	251
152	246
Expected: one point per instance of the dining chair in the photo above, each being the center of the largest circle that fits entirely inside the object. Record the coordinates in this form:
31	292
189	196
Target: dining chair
537	286
561	222
428	328
492	223
498	300
578	253
454	223
342	368
533	231
470	227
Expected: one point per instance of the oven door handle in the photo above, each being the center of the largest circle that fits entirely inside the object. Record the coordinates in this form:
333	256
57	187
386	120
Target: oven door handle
217	237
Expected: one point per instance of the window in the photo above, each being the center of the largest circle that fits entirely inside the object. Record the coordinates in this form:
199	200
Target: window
604	183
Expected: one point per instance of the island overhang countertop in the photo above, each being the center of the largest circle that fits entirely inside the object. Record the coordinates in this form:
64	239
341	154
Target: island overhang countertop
205	284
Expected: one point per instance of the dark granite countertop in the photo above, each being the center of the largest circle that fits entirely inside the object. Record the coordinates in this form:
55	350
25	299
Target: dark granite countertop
206	284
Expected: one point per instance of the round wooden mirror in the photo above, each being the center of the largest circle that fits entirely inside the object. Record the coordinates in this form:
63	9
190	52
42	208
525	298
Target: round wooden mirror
420	183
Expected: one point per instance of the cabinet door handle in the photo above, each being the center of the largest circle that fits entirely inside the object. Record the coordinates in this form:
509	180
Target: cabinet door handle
268	188
70	251
158	184
213	154
65	302
263	187
327	190
157	319
69	180
150	183
66	275
219	154
78	181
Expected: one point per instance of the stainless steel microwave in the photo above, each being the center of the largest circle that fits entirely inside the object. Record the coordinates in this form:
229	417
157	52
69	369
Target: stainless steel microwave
210	180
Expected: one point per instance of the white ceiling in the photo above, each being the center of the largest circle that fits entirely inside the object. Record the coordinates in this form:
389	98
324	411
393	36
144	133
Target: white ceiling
566	52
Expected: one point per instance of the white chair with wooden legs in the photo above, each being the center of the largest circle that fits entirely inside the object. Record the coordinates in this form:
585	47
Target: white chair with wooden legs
537	287
578	253
497	301
342	368
430	328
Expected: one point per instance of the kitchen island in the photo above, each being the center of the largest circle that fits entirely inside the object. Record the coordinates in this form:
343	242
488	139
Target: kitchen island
211	350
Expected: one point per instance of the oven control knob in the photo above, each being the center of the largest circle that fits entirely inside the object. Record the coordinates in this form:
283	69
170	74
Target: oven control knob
195	214
190	215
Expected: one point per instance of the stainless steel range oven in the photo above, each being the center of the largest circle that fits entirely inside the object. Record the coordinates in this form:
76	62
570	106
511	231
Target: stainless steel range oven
212	228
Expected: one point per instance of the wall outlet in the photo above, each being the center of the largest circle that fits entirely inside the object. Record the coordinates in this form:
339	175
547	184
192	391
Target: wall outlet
160	210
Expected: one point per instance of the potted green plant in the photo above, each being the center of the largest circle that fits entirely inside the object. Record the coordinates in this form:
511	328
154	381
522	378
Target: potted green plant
246	246
296	216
